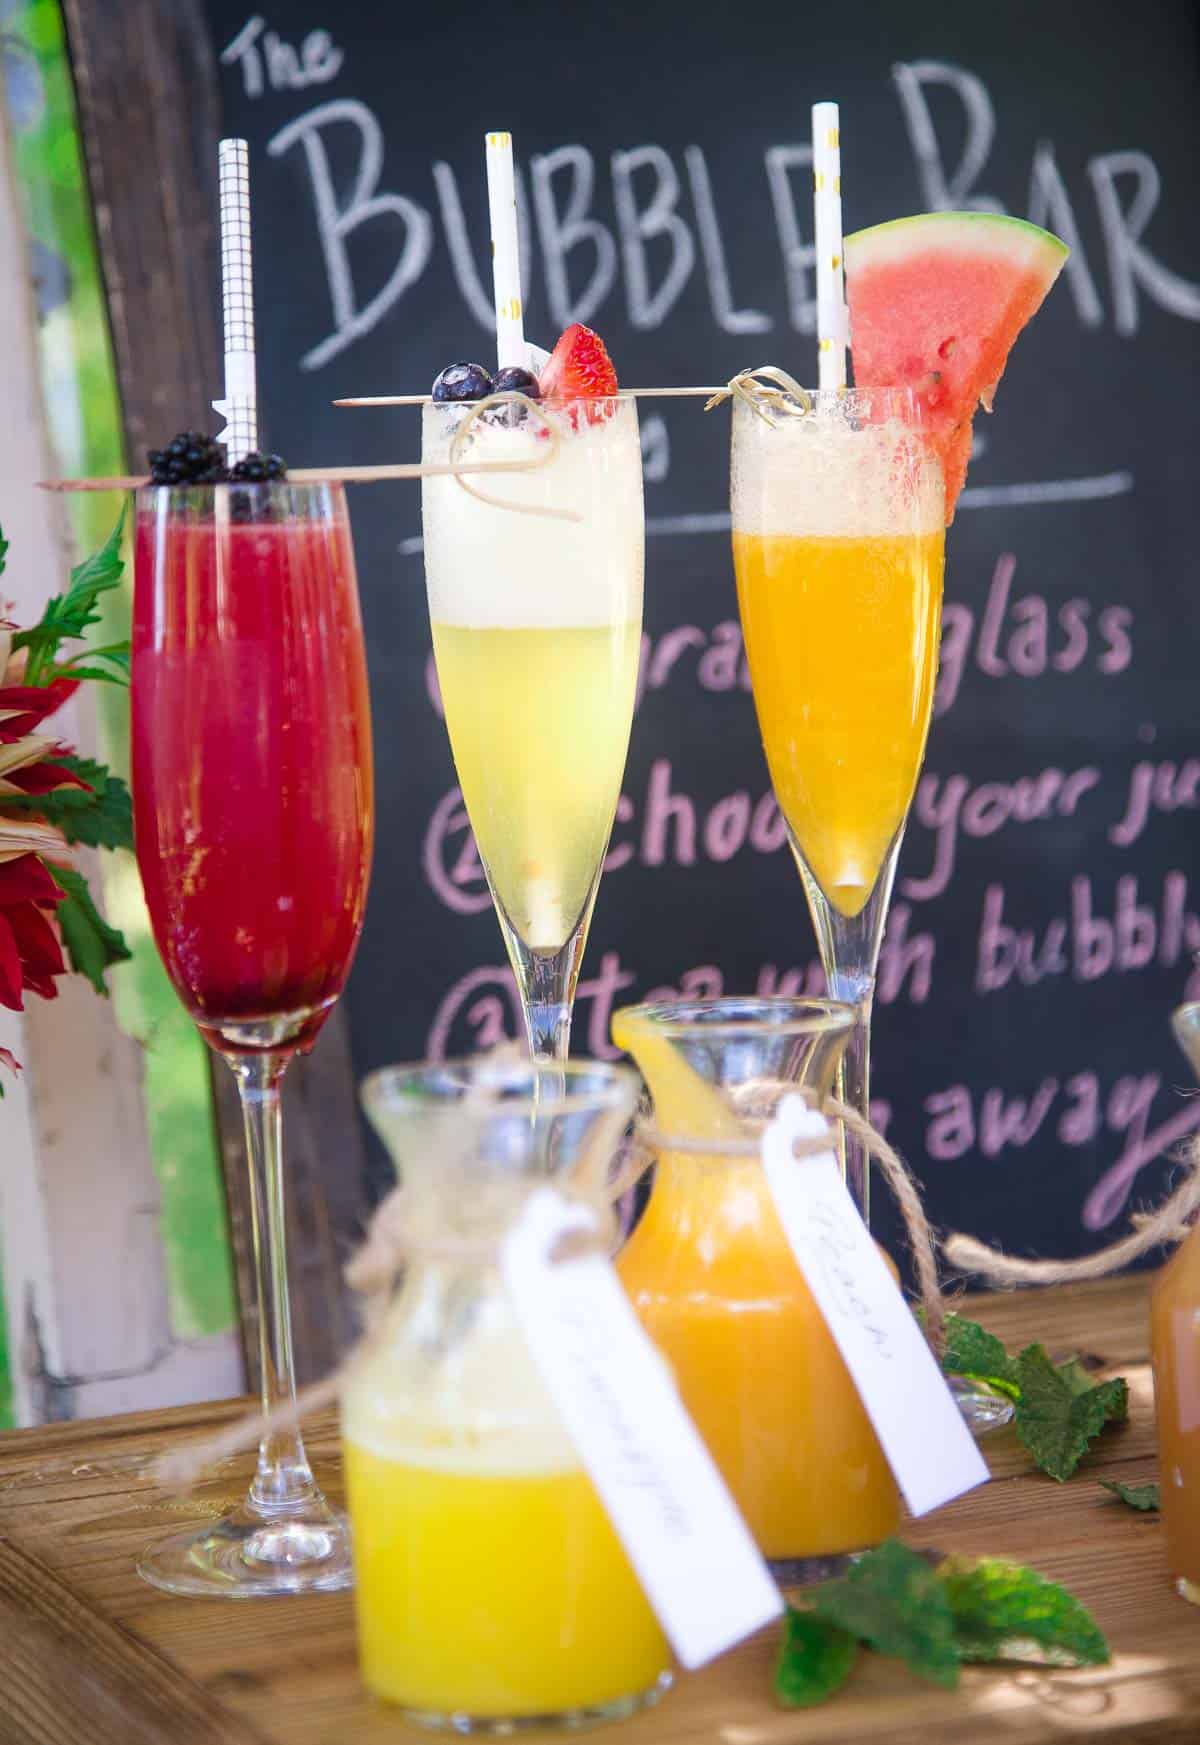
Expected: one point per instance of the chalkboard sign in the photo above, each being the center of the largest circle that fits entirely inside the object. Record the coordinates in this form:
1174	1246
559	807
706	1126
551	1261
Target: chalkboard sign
1047	913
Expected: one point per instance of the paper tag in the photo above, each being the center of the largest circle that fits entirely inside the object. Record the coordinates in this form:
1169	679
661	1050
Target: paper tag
931	1452
668	1504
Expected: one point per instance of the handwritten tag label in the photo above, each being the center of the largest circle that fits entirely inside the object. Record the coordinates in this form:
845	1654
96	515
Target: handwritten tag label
931	1452
668	1504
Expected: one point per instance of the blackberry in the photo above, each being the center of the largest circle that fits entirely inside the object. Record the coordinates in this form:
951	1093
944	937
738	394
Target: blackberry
191	458
462	382
259	469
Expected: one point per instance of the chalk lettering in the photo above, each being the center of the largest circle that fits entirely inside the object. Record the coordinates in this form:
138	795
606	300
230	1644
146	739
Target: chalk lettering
336	223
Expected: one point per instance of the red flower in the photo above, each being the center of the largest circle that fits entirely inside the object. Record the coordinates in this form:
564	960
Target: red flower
30	953
43	777
23	706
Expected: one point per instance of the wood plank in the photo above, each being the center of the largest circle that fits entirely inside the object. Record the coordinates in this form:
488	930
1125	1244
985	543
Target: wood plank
147	91
247	1655
68	1673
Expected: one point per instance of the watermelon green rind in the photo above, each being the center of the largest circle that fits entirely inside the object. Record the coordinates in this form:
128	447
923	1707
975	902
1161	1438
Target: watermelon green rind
954	231
936	303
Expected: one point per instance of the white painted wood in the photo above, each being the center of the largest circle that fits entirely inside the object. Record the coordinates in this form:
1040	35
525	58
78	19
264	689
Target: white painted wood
84	1272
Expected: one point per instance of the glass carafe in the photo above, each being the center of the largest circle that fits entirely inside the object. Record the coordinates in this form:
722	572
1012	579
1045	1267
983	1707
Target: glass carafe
710	1272
1175	1353
491	1589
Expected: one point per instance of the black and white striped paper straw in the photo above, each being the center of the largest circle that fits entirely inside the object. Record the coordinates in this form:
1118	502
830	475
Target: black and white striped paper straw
240	405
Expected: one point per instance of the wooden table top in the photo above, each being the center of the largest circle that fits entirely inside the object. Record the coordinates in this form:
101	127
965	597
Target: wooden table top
88	1653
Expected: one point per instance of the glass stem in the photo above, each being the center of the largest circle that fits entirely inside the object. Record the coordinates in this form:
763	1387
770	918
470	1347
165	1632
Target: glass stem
850	946
283	1480
547	994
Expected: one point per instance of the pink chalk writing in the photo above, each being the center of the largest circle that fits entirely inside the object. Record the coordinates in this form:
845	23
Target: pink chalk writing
670	829
1087	943
1156	787
450	860
963	1122
950	805
1020	637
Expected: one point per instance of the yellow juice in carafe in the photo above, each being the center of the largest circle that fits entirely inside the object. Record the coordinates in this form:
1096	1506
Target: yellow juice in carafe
500	1593
488	1580
709	1270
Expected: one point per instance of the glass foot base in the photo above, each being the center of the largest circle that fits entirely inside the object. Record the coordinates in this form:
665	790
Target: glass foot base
249	1555
808	1571
983	1409
570	1720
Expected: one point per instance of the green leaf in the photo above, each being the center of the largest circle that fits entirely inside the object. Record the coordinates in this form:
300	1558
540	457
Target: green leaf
815	1659
1056	1417
892	1600
1003	1611
92	945
71	614
115	670
101	819
971	1350
1138	1496
3	567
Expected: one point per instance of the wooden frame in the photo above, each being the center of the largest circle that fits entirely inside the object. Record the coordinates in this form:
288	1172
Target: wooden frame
149	107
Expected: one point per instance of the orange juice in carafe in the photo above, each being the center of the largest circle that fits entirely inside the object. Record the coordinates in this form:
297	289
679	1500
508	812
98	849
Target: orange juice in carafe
710	1273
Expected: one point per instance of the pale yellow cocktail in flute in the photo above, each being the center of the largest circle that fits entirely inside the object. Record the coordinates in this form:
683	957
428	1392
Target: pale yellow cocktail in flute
536	627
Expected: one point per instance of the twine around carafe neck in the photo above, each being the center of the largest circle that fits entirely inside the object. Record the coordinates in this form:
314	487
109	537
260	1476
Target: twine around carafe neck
398	1234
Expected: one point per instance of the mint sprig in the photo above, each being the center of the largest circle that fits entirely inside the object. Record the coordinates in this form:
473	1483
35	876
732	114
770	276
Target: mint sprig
935	1619
1061	1410
1144	1497
1060	1407
973	1352
815	1659
892	1600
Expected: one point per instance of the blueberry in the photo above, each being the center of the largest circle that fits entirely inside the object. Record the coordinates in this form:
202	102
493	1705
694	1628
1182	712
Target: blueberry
515	381
462	382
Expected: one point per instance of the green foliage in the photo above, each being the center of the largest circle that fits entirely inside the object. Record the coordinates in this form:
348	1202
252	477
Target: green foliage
1144	1497
102	818
815	1659
69	616
1060	1410
972	1351
92	945
1003	1611
892	1600
935	1619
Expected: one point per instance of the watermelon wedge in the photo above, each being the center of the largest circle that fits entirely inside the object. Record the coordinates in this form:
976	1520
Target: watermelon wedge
936	303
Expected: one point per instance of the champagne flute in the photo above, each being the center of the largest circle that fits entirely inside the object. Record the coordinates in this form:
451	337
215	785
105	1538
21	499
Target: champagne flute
838	509
253	814
535	604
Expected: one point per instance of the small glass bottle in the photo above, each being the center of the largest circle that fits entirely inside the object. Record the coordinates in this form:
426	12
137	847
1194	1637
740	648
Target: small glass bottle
491	1589
1175	1355
709	1270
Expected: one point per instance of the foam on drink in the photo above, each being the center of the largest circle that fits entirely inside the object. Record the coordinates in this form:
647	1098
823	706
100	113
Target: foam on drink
822	475
493	567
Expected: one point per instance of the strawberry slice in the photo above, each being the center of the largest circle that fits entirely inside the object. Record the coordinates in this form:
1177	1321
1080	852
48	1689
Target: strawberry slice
579	368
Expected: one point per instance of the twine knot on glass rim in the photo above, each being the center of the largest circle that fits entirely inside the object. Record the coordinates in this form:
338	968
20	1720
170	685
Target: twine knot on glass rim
768	391
399	1233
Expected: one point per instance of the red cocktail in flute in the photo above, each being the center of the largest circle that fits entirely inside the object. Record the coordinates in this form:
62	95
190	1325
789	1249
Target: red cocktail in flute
253	819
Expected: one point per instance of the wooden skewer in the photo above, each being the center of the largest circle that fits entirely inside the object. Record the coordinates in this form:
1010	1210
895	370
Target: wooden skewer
308	475
622	394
